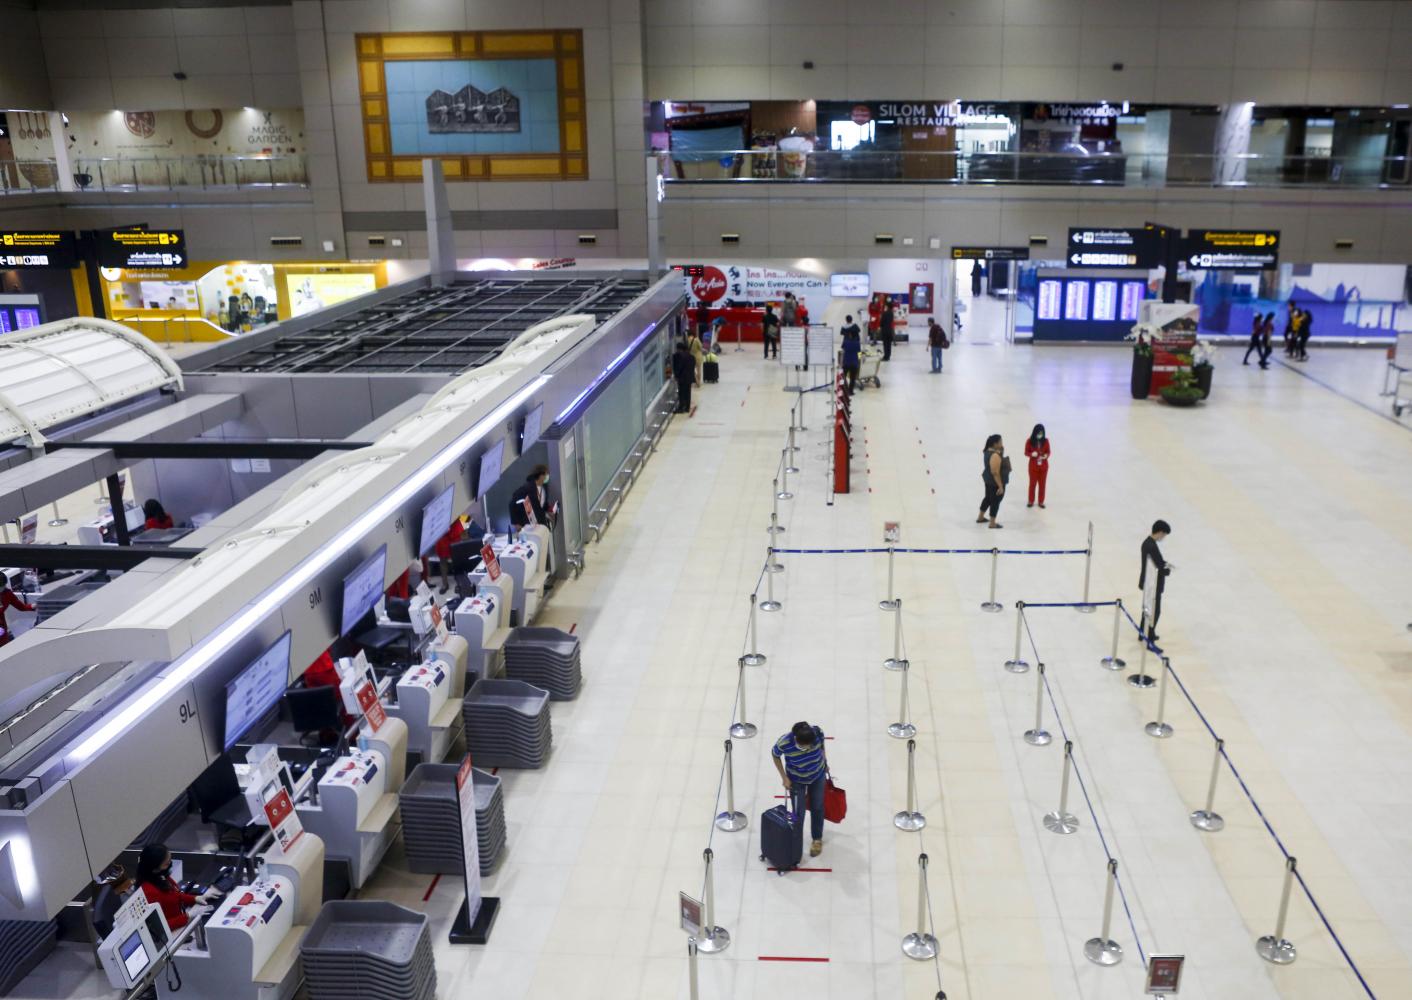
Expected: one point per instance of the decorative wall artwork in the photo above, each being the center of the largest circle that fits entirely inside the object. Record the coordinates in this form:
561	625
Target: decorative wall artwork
490	105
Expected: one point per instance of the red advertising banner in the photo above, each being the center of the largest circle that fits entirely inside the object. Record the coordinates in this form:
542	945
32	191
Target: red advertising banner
371	706
492	564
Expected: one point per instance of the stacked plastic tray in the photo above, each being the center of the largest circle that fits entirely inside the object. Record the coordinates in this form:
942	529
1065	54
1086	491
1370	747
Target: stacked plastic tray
23	944
546	657
368	949
431	820
507	724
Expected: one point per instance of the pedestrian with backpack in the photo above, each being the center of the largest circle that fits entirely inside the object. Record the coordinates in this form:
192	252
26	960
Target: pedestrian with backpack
803	766
936	339
995	473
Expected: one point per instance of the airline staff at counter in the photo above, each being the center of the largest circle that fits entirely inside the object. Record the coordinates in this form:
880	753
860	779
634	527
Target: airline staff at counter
9	599
157	517
154	876
533	490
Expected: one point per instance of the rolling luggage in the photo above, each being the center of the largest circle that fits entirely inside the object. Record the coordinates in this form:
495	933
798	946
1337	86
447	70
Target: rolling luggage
710	370
781	838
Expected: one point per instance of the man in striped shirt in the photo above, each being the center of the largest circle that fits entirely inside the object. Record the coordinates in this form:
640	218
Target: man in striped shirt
800	759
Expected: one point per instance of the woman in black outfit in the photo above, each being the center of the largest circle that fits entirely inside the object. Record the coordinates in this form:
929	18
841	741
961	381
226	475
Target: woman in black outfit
995	473
1257	328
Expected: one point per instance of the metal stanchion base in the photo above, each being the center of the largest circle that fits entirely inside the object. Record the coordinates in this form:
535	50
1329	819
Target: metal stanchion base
753	659
1208	821
911	822
891	664
1101	952
784	495
890	604
1157	730
1017	666
770	605
774	567
1057	822
731	822
792	470
992	606
743	730
901	730
1038	737
714	940
58	522
1280	951
919	945
1141	680
776	529
1085	609
1113	663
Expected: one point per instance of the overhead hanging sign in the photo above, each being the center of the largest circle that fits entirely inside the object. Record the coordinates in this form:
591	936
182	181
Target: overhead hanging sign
990	253
1232	249
25	248
1121	248
141	248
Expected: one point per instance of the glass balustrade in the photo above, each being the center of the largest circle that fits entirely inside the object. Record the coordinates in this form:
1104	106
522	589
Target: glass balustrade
154	173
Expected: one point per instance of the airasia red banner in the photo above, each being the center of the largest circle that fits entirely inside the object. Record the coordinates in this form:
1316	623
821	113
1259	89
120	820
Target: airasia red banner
711	286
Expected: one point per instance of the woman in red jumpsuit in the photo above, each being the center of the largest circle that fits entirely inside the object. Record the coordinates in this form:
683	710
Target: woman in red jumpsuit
1037	449
8	599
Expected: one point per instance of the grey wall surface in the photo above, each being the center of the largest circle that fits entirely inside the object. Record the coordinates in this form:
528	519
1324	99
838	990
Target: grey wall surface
24	78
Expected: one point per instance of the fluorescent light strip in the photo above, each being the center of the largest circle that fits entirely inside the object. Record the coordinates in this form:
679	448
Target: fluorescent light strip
612	366
226	636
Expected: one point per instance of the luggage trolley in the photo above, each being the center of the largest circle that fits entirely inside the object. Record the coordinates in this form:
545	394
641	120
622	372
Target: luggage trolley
870	363
1397	381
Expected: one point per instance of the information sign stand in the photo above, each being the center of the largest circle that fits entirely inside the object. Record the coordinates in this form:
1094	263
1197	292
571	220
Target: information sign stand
477	913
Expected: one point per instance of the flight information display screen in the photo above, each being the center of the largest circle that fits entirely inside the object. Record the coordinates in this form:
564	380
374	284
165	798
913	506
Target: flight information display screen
436	520
533	426
256	689
362	588
490	464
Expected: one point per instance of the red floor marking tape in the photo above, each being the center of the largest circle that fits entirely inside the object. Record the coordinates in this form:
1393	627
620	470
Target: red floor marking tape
572	627
431	888
494	771
789	958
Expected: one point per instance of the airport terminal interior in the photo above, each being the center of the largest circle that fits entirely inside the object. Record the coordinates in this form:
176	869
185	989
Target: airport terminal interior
525	499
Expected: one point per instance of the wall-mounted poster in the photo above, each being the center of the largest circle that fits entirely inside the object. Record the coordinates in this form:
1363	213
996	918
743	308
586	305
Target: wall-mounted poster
492	105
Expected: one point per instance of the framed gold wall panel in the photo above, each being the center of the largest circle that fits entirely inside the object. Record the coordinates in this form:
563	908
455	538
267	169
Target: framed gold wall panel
491	105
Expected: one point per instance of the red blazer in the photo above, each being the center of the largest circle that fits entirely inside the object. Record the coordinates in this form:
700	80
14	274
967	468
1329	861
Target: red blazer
1039	457
443	544
159	523
8	599
172	901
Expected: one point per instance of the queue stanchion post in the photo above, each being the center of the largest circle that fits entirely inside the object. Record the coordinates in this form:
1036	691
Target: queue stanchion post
1276	948
890	603
903	728
754	658
783	492
1142	679
713	939
801	399
1112	661
741	728
1062	821
896	661
789	451
1086	608
1160	728
1206	818
1016	664
910	819
769	603
693	982
992	605
921	944
56	521
731	820
775	527
1038	736
772	563
1103	950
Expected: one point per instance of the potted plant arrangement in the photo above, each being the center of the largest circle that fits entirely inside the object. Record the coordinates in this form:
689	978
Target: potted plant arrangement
1182	390
1142	363
1203	356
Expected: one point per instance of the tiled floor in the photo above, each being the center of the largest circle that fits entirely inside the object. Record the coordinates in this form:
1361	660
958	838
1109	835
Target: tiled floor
1285	619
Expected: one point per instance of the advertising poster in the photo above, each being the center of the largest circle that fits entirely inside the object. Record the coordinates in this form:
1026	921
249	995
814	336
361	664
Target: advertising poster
742	283
279	811
371	706
312	292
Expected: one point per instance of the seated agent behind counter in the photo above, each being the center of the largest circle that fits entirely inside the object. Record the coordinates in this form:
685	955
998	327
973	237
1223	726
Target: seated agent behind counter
803	765
157	517
154	877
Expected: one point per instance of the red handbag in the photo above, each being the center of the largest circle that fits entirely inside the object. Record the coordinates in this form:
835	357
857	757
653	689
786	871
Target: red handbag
835	802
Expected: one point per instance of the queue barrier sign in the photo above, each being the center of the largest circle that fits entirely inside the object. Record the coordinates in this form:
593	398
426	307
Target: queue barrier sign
28	248
135	249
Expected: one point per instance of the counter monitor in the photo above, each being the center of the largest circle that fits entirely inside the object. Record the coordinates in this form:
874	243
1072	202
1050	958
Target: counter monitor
256	690
533	422
436	520
490	465
362	588
134	956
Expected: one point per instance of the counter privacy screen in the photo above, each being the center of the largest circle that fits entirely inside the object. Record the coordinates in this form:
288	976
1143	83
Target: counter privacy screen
256	690
362	588
436	520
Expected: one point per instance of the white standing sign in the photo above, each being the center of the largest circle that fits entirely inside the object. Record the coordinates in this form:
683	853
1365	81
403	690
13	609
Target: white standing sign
470	840
821	346
792	346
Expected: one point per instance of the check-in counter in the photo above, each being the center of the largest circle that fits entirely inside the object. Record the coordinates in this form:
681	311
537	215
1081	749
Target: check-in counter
355	810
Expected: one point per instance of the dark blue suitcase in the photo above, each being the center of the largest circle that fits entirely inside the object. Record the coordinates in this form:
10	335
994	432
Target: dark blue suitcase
781	839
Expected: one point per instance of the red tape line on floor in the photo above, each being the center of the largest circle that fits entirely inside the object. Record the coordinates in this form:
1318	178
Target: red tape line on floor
789	958
431	888
572	627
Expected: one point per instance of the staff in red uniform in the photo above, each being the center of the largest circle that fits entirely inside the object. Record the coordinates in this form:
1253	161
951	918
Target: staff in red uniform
9	599
1037	449
154	877
443	553
157	517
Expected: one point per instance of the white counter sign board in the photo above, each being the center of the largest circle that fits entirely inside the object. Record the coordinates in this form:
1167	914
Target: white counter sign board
477	914
792	351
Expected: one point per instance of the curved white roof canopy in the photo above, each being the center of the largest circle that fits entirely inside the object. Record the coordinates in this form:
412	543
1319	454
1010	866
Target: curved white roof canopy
57	372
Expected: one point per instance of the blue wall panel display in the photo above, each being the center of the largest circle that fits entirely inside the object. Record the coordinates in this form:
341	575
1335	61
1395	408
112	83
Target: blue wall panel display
467	106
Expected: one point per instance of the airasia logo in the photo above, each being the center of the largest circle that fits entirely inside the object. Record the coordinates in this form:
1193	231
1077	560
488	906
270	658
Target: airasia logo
710	286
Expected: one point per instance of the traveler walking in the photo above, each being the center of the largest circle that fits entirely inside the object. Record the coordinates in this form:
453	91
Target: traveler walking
851	354
1267	331
698	354
803	766
1257	324
936	339
1037	450
1152	554
770	327
684	371
885	330
1306	327
1291	327
789	311
995	473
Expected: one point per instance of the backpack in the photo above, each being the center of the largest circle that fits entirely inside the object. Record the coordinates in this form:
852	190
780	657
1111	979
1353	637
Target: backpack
1004	469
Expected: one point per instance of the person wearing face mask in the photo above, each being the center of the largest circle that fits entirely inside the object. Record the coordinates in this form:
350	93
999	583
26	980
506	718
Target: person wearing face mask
528	503
154	878
1037	451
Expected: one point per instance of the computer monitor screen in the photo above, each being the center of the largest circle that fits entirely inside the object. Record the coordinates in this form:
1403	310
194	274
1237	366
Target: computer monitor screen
533	422
256	689
464	556
849	286
490	463
134	955
436	520
312	710
362	588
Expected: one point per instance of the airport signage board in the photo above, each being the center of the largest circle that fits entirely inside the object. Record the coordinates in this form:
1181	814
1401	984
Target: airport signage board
1232	249
990	253
1120	248
26	248
135	249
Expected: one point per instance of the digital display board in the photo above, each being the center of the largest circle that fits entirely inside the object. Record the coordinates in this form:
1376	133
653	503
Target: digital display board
1133	294
436	520
1105	301
1050	291
14	318
490	465
362	588
256	689
533	425
850	286
24	248
1076	300
141	248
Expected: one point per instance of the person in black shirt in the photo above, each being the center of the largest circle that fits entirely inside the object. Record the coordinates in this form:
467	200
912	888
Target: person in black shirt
684	371
770	328
1151	553
885	330
533	491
